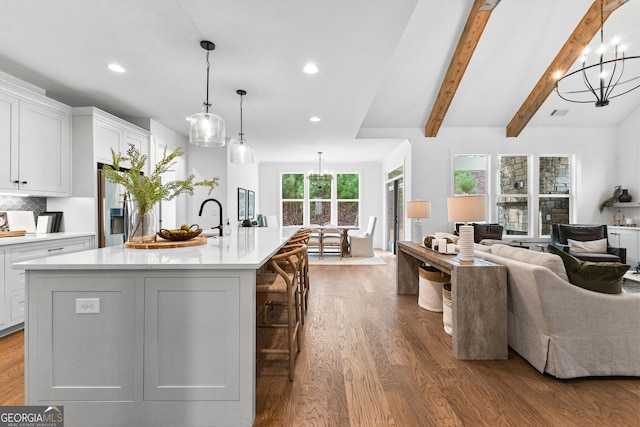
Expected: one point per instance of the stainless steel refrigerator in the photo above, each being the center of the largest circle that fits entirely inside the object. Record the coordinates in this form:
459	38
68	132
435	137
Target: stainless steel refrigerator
113	215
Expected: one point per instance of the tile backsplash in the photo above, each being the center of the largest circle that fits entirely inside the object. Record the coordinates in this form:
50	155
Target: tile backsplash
14	203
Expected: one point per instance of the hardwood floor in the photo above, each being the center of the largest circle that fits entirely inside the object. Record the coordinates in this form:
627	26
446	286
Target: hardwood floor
374	358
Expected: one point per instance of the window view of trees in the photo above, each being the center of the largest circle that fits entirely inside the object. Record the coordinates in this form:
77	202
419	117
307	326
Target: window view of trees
292	199
335	201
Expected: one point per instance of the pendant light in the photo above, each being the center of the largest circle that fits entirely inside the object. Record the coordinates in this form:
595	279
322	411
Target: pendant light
241	151
206	129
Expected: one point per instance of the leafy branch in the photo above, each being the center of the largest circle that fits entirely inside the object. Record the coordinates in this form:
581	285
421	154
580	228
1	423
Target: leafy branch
617	190
149	190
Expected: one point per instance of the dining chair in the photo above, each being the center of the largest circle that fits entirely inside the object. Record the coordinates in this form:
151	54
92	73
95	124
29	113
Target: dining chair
280	285
331	237
362	244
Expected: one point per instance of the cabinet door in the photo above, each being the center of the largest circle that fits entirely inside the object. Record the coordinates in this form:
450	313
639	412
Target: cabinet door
108	136
9	107
44	150
4	303
141	142
621	238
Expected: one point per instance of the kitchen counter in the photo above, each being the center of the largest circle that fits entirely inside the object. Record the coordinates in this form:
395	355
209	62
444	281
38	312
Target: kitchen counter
159	337
33	238
244	248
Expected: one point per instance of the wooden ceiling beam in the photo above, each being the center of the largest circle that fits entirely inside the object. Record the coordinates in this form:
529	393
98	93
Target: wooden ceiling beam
476	21
566	57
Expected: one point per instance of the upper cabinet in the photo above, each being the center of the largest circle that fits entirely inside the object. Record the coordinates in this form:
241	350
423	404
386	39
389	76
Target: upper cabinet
35	140
95	134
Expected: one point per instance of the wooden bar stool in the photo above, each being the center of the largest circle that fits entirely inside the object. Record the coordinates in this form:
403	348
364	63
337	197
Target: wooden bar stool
280	286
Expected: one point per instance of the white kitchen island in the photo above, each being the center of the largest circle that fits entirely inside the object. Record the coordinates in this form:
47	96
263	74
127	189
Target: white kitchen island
135	337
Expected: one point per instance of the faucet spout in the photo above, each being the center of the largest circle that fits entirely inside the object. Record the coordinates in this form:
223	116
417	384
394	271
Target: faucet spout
219	227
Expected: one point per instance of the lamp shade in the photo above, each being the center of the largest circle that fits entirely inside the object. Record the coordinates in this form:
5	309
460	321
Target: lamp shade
466	208
206	130
241	152
419	209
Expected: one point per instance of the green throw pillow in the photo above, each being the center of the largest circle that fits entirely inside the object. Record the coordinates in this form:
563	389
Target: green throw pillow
603	277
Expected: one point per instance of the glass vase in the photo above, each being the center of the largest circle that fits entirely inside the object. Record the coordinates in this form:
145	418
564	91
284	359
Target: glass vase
142	226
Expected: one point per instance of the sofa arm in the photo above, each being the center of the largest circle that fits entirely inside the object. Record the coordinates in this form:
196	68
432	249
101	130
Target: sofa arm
620	252
564	248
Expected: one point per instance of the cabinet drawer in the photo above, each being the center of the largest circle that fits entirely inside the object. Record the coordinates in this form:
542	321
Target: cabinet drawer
39	250
17	307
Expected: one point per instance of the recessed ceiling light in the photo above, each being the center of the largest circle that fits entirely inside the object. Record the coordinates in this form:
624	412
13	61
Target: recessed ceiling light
116	68
315	119
310	68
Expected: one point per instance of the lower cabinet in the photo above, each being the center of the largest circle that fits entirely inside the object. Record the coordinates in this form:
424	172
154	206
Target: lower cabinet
12	298
626	237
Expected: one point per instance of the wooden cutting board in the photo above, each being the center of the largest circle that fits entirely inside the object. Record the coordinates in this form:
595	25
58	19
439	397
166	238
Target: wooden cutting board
16	233
167	244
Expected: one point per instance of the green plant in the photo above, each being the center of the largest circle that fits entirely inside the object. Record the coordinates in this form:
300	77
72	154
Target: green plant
465	183
146	191
617	190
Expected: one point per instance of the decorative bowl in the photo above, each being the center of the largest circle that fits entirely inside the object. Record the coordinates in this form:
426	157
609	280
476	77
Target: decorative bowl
179	235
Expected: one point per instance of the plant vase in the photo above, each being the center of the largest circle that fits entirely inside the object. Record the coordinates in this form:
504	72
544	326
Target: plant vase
625	197
142	226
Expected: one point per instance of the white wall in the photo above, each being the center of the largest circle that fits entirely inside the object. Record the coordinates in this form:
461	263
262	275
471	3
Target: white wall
400	156
207	163
595	150
628	159
242	176
371	187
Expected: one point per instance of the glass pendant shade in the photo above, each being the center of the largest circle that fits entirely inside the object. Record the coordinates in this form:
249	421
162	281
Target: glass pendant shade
206	130
241	152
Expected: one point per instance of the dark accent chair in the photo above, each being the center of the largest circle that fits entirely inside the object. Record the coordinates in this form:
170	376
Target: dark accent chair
586	232
483	231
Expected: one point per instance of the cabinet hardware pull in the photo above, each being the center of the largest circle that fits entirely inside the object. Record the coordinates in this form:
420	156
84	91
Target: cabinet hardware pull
16	182
23	182
55	249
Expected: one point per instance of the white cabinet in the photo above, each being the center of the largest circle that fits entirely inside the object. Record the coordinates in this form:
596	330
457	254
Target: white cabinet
626	237
12	280
35	142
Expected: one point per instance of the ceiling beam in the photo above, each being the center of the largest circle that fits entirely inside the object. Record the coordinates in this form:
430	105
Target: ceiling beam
476	21
566	57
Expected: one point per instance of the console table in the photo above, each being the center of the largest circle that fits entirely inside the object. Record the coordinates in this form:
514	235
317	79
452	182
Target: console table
479	299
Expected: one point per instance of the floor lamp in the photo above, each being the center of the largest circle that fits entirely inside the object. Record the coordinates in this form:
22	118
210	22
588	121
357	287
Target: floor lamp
466	209
417	210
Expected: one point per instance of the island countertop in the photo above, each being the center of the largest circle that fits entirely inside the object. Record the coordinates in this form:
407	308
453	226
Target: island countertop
245	248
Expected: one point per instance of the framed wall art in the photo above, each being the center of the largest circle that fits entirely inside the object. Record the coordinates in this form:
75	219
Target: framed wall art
251	204
242	204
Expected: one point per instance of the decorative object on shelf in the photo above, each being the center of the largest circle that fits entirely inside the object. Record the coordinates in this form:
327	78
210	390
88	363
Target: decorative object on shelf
240	151
143	192
606	75
466	209
617	190
618	218
319	179
625	197
184	233
416	210
227	228
207	129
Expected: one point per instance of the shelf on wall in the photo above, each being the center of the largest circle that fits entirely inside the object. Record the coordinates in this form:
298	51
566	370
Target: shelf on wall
626	205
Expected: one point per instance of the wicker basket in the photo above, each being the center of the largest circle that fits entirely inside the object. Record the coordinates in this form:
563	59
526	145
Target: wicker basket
179	235
447	317
430	288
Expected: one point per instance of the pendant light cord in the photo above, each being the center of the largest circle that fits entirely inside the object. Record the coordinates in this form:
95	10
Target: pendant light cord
241	132
206	103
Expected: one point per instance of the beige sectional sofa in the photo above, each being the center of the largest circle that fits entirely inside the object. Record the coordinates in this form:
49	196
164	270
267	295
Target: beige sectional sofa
562	329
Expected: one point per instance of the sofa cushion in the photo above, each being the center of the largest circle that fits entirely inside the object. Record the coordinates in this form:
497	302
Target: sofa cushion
603	277
591	246
552	262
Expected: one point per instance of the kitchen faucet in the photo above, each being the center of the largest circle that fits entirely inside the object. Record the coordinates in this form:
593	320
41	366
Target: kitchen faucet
219	227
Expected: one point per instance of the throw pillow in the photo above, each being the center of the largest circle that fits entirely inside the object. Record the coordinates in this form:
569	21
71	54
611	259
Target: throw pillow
551	261
603	277
592	246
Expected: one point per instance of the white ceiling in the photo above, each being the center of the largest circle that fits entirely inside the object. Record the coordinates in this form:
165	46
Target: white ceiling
381	64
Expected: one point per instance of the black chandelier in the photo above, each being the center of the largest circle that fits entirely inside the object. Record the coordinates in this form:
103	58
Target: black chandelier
607	73
320	178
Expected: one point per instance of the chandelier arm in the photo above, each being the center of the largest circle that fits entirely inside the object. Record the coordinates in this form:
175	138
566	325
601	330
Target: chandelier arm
588	83
611	86
627	91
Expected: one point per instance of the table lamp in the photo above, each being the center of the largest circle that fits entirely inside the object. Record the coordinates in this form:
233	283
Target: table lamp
466	209
417	210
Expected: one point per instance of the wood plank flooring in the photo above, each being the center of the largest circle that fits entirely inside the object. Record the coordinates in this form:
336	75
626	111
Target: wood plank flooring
374	358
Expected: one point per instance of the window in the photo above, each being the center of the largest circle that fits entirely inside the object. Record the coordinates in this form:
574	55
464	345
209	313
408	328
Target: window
292	194
348	196
554	190
470	174
335	201
513	194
